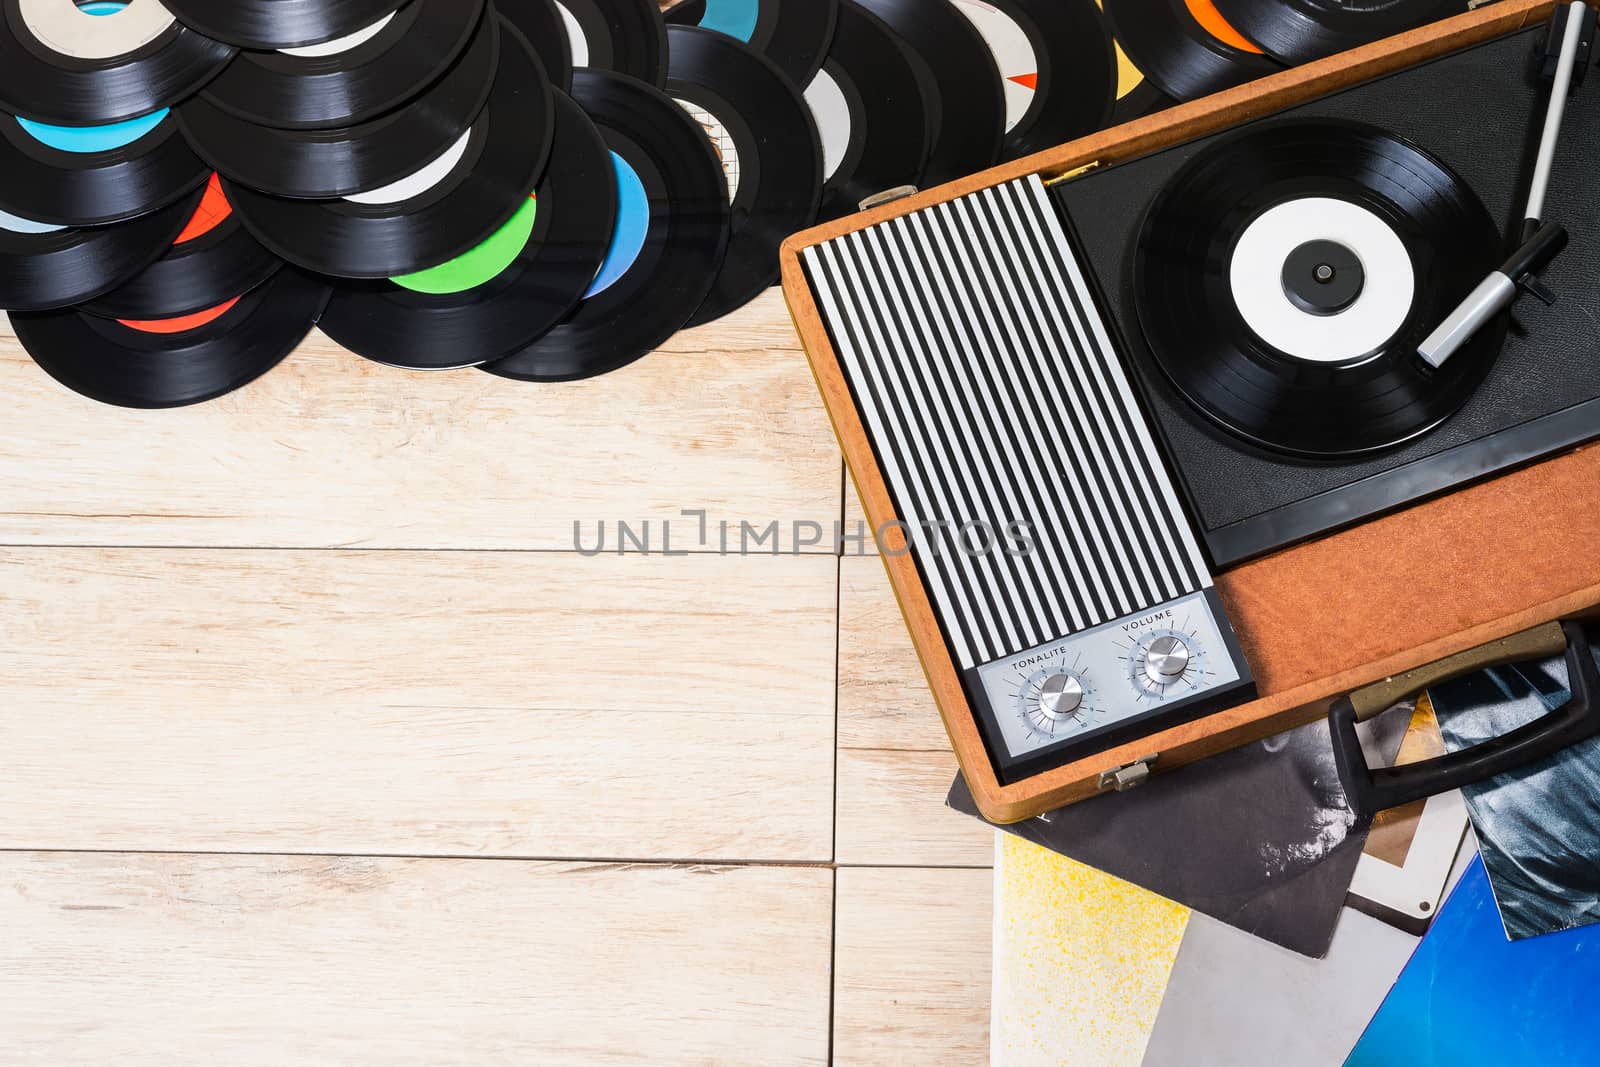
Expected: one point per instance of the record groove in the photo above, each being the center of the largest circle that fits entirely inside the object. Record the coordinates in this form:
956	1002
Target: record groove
668	268
1198	335
541	23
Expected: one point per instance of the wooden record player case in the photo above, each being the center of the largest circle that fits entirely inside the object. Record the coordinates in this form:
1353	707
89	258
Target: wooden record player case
1315	621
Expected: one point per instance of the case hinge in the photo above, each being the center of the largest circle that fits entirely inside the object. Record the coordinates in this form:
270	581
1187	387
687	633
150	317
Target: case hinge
1131	776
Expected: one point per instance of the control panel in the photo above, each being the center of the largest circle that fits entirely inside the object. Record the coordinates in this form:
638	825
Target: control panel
1082	685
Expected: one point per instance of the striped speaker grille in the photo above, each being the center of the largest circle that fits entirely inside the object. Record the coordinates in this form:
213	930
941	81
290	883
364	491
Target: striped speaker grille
992	394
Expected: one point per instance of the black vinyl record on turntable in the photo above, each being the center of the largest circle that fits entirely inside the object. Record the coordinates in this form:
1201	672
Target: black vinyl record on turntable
1286	277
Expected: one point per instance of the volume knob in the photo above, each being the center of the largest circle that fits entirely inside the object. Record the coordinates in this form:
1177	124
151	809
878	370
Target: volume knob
1166	660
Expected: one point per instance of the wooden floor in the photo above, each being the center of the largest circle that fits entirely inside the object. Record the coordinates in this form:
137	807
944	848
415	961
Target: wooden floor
322	744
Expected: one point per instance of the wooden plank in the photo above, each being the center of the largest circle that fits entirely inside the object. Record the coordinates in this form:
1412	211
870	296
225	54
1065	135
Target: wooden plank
133	960
331	450
503	704
895	763
911	966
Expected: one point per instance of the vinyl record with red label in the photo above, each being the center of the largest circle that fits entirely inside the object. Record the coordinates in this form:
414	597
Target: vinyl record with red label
174	362
1185	47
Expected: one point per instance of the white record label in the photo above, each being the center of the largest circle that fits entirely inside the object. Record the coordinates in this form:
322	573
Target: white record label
1013	54
722	141
419	182
575	34
1256	278
832	112
95	31
342	44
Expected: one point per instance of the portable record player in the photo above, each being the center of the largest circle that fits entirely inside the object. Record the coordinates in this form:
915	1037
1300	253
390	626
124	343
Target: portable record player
1146	426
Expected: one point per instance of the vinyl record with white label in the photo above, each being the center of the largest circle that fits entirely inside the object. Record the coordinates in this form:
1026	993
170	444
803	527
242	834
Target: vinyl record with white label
1285	277
507	292
92	62
670	236
439	211
324	164
794	34
43	266
174	362
269	24
1057	66
769	151
625	36
352	79
871	113
95	175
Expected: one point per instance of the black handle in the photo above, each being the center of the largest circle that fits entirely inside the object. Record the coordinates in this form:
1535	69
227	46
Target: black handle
1371	791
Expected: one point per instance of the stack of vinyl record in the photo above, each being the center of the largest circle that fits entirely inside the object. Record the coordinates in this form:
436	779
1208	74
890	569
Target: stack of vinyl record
544	189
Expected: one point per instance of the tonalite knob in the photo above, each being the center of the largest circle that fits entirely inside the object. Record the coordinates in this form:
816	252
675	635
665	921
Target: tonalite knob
1060	695
1166	659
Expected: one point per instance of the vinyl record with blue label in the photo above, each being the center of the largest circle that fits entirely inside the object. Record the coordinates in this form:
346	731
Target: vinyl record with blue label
507	292
437	212
100	61
871	112
269	24
668	243
213	260
967	108
95	175
1285	277
625	36
43	266
794	34
324	164
174	362
353	79
768	147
